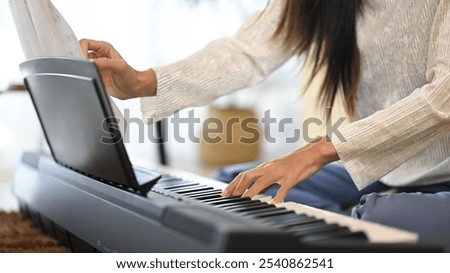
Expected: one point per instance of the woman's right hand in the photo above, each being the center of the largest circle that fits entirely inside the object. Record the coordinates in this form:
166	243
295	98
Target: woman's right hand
120	79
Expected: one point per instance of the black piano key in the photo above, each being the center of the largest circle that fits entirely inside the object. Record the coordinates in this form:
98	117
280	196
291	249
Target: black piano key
280	218
251	208
202	193
205	195
185	187
239	204
191	189
285	221
274	217
212	196
342	233
254	212
180	186
227	200
302	230
316	224
267	212
217	198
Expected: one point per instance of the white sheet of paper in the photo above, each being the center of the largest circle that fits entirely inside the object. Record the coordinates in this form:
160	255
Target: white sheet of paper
43	32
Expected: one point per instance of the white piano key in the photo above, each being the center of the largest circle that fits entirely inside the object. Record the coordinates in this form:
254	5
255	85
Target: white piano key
376	233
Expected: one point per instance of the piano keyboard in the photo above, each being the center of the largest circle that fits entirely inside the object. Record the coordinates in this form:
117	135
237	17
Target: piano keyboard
185	212
305	223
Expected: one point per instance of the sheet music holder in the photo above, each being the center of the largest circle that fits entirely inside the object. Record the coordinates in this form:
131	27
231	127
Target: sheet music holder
78	121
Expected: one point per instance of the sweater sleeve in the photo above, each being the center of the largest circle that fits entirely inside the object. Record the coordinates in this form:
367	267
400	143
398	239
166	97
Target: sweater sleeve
372	147
223	66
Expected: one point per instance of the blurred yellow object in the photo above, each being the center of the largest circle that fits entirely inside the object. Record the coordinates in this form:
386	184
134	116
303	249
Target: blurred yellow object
230	135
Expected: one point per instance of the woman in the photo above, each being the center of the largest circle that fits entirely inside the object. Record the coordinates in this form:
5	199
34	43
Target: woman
391	61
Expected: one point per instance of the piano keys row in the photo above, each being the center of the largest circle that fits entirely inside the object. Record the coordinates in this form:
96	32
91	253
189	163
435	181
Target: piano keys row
303	227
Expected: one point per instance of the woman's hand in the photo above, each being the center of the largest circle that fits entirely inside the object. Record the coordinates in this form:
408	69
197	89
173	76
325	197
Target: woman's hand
287	171
120	79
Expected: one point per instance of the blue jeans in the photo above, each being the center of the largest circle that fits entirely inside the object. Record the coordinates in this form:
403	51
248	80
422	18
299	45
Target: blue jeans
418	209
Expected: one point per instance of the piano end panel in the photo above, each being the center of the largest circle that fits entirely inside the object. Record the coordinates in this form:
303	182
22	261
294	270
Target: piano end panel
93	219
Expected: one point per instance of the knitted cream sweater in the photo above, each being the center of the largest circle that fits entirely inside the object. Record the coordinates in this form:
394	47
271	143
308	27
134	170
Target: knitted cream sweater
401	133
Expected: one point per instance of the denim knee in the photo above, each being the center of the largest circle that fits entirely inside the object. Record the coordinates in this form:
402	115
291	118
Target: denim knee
426	214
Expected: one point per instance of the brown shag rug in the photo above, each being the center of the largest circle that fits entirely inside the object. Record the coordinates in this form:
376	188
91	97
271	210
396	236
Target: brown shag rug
18	234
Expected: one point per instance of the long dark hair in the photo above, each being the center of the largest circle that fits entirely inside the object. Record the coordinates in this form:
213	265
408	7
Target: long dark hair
326	31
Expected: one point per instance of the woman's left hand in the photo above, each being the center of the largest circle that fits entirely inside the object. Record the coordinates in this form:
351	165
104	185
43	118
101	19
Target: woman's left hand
287	171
